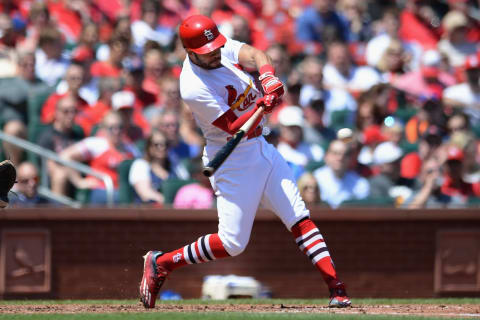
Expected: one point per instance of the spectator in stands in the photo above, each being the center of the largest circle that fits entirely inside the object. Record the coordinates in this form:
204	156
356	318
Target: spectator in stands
8	42
25	191
107	86
454	44
430	113
428	195
123	102
280	61
148	28
103	153
339	71
169	98
57	137
429	146
112	67
87	43
454	186
335	99
309	191
291	145
467	142
74	77
466	95
50	66
393	62
322	24
314	131
14	95
336	181
133	79
196	195
389	26
154	71
388	183
168	122
419	23
39	19
355	11
147	174
428	79
121	29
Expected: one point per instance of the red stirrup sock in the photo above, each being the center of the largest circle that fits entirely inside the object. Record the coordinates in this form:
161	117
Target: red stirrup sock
206	248
310	242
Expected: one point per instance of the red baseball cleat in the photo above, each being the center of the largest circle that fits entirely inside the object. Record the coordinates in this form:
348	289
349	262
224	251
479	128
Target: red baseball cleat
153	277
338	297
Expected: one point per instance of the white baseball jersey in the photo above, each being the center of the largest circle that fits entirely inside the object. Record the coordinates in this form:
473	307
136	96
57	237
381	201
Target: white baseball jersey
210	93
255	173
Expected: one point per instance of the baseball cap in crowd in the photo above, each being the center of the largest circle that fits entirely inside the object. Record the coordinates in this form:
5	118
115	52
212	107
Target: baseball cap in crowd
430	63
454	153
453	20
372	135
122	100
291	116
386	152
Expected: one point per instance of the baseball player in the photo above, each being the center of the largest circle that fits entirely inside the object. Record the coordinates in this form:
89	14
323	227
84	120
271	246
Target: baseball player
222	97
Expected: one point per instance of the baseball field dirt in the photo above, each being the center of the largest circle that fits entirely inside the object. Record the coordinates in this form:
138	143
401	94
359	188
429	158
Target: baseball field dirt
447	311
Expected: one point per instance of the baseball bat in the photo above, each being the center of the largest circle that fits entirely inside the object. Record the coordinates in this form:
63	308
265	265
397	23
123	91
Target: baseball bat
228	148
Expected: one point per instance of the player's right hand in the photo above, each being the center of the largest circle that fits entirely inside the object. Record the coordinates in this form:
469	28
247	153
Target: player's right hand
271	84
268	102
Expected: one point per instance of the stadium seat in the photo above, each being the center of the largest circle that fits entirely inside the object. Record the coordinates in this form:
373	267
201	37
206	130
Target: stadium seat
383	202
171	186
126	193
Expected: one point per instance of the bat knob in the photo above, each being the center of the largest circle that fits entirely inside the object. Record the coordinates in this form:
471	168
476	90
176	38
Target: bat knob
208	171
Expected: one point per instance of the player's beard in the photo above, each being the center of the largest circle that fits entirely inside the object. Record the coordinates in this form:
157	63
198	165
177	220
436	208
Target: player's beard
215	64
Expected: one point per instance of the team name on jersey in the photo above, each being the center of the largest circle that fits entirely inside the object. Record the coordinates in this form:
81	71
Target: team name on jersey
241	102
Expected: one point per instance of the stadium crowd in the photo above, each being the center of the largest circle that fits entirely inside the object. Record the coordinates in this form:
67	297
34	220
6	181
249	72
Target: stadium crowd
382	104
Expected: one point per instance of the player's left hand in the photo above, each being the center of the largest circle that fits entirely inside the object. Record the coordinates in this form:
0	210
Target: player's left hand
268	102
271	84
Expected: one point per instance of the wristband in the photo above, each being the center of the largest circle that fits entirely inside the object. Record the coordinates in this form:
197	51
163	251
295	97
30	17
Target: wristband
267	68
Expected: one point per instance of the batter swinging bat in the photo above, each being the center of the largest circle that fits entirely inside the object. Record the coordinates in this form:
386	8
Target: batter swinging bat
227	149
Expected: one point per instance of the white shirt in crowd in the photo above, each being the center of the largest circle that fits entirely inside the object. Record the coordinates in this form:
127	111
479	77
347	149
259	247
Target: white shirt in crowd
334	99
464	94
334	190
301	155
456	54
359	79
49	71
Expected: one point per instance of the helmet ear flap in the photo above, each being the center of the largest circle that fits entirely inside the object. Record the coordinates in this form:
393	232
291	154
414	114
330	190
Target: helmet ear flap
200	34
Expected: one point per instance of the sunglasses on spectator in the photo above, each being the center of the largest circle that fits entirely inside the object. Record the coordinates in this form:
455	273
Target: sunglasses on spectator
159	144
311	187
67	110
27	180
114	128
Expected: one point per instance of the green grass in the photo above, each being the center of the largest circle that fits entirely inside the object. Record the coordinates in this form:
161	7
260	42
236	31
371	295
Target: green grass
254	301
213	316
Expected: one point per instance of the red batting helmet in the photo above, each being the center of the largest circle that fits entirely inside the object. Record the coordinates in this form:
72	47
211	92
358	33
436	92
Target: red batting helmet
200	34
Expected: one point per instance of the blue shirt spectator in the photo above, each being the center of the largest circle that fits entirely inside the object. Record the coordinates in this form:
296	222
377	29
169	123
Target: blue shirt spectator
318	26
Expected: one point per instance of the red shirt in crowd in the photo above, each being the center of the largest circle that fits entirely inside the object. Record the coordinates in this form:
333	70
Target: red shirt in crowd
105	69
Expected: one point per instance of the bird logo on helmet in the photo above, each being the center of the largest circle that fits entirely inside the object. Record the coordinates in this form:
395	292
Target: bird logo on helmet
200	34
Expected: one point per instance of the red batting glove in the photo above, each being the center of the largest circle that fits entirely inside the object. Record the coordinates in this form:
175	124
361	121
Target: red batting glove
270	83
268	102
